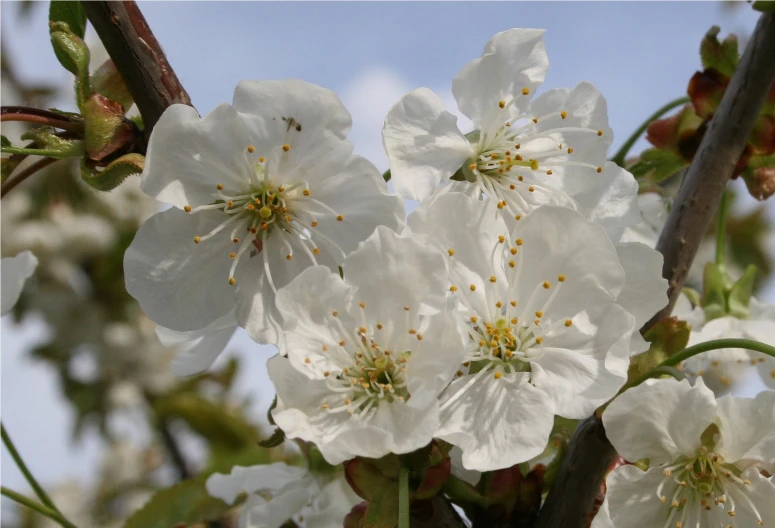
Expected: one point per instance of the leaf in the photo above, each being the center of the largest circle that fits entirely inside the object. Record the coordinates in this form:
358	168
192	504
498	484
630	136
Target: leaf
5	142
277	438
114	174
765	6
721	56
70	12
213	422
740	294
383	508
183	504
658	165
715	285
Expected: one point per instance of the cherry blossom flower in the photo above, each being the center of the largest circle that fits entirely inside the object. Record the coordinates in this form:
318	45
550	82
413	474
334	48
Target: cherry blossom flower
725	367
197	349
549	312
15	272
261	190
278	492
524	152
708	460
369	354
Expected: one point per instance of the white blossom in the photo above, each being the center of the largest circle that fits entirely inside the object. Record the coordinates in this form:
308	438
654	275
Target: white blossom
14	272
278	492
549	316
261	190
369	354
708	459
524	152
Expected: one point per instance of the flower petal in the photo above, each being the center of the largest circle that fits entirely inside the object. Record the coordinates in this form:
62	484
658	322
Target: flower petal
423	143
15	272
179	284
496	422
188	156
197	349
659	420
251	479
645	291
512	60
632	498
611	201
747	430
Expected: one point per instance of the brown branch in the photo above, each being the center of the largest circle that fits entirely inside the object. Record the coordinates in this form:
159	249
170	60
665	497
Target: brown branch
41	117
590	453
138	58
16	179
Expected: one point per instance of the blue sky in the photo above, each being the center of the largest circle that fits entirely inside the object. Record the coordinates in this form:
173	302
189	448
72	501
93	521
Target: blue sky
639	54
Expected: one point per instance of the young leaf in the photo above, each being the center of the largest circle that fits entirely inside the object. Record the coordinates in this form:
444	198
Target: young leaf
184	504
70	12
740	294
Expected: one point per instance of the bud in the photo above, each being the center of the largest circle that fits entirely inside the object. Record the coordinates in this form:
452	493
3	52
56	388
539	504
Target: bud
70	49
740	294
107	81
760	182
357	515
106	131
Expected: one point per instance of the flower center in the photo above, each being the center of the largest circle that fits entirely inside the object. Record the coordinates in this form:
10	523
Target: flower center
510	154
704	482
263	210
371	372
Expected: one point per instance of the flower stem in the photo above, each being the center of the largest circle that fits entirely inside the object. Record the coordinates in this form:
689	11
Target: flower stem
403	497
38	507
19	177
622	152
39	491
699	348
721	229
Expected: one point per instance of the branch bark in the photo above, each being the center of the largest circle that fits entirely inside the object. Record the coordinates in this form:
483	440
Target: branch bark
590	453
138	58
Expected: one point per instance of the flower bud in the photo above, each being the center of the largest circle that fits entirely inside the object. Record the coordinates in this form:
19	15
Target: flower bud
70	49
107	81
106	130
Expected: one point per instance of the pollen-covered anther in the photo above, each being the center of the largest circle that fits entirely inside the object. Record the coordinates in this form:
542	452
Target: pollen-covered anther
493	279
453	288
406	308
568	322
561	278
451	252
251	149
362	329
531	189
472	166
306	192
233	254
525	91
547	285
288	257
498	375
197	239
501	104
286	147
539	340
513	251
235	240
563	114
519	241
512	263
472	287
262	159
535	120
599	132
570	150
232	281
419	337
539	314
549	172
599	170
339	218
187	208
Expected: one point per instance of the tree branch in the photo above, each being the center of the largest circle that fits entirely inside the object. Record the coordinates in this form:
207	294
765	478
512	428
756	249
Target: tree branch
590	453
138	58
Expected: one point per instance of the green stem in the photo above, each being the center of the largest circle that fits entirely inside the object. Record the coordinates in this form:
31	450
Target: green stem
622	152
75	152
38	507
403	498
699	348
721	230
39	491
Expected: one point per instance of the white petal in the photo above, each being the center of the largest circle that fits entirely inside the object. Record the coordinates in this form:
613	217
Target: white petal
576	370
423	143
188	155
747	430
654	210
197	349
632	497
412	273
466	475
318	117
334	502
15	272
512	60
496	422
256	309
252	479
603	517
274	513
306	305
179	284
761	492
767	371
659	420
645	291
612	201
358	193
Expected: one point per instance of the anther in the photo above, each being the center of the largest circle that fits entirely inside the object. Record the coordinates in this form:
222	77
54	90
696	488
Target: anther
316	251
599	170
288	257
473	287
599	132
305	192
286	147
453	288
197	239
492	278
546	285
563	114
187	208
406	308
549	172
561	278
339	218
568	322
419	337
314	224
498	375
531	188
450	252
513	251
472	166
501	104
251	149
233	254
261	159
219	186
539	314
235	240
518	241
525	91
501	239
539	340
570	150
232	281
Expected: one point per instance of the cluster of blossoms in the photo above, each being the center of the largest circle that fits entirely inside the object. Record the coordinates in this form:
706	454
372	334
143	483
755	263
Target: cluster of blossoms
508	297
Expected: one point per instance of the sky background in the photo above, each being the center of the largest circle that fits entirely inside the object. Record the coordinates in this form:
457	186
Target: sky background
639	54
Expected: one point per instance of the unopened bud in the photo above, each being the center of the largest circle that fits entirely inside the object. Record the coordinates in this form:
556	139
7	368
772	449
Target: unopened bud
760	182
106	131
107	81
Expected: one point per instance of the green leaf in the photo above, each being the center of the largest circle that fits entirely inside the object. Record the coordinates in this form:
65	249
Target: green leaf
658	165
720	56
277	438
715	284
184	504
765	6
114	174
70	12
5	142
740	294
